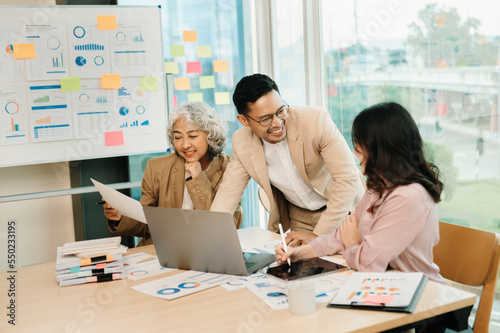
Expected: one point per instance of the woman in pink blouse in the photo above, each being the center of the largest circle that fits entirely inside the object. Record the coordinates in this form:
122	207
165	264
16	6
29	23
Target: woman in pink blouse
396	222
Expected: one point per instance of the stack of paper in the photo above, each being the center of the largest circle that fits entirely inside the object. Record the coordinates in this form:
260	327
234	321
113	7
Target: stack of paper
96	260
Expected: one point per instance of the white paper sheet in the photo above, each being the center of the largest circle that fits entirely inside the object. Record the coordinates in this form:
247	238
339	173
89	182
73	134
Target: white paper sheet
141	265
186	283
125	205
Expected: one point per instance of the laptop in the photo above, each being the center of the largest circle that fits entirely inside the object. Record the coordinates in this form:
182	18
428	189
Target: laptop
200	240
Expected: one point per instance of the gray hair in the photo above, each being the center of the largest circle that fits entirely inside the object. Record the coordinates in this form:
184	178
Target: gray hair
206	119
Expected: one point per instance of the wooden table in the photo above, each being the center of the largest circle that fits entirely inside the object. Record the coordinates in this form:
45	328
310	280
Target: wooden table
42	306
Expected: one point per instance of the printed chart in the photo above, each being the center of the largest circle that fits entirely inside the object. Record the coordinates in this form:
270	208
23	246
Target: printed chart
182	284
92	110
11	70
141	265
50	117
13	115
51	48
131	109
129	49
89	51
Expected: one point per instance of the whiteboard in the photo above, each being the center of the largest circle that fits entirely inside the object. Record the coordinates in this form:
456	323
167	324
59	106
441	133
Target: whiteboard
42	122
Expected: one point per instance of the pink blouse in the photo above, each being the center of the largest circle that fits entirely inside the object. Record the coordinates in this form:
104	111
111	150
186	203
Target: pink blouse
399	233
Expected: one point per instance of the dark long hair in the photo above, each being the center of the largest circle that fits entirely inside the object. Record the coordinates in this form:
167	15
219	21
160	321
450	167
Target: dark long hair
390	137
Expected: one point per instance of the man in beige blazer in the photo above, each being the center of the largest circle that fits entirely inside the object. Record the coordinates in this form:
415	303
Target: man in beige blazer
297	155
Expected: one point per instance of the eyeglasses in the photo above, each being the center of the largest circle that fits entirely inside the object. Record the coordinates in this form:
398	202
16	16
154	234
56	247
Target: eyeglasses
268	119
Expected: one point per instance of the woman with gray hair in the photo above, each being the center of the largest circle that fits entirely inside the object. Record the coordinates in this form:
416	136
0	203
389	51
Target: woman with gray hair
190	177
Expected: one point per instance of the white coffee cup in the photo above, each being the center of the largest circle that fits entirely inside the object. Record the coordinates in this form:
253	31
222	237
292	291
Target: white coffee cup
301	297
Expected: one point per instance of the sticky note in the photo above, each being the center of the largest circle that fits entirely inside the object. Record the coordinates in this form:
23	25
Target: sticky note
440	20
189	36
193	67
24	51
175	101
204	51
70	84
177	51
182	84
440	109
195	97
113	139
441	64
171	67
333	91
111	81
220	66
378	299
106	22
149	83
207	82
221	98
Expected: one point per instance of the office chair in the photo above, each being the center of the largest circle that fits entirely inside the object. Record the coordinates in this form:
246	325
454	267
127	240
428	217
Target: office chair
470	257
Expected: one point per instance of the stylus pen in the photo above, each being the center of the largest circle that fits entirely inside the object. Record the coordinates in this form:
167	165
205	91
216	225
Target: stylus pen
100	203
284	242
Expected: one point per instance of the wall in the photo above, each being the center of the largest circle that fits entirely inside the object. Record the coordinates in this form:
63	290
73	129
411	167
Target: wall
42	224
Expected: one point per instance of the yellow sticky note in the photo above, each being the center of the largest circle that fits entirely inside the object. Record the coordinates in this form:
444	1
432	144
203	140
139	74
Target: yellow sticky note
24	51
149	83
182	84
177	50
207	82
70	84
204	51
195	97
221	98
106	22
220	66
189	36
111	81
171	67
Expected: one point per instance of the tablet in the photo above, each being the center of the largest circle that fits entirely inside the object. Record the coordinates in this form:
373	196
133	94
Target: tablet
303	269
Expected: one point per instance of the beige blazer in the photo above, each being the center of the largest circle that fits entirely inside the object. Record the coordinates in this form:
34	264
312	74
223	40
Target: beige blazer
163	186
321	156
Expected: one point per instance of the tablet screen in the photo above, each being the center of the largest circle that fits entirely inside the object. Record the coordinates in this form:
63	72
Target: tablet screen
303	268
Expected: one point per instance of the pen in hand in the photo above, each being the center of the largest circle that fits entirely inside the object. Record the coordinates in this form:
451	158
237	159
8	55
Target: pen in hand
284	242
100	203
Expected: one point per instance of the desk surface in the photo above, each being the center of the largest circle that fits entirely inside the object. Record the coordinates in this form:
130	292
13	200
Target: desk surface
114	307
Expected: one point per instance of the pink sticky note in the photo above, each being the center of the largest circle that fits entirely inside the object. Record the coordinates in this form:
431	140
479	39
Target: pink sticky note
175	101
333	91
440	109
113	139
193	67
378	299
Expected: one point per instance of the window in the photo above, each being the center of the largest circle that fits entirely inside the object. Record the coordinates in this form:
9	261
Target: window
440	60
219	28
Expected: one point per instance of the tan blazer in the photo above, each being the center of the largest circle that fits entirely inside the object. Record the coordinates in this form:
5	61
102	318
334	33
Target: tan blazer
163	186
321	156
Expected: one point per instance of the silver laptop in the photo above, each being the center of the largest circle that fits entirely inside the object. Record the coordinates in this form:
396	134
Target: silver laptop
200	240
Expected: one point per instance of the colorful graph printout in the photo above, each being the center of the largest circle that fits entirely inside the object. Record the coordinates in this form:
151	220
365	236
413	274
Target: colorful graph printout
182	284
141	265
392	289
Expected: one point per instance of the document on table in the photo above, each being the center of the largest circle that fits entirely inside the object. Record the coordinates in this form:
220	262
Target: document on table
179	285
125	205
273	291
141	265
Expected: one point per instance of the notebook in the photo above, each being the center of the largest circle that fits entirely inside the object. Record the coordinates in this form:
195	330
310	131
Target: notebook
200	240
